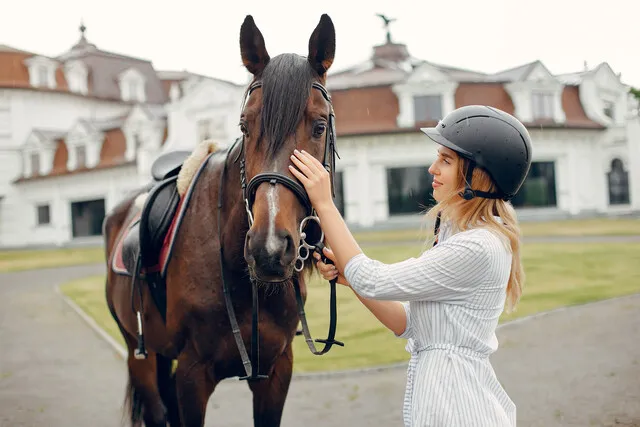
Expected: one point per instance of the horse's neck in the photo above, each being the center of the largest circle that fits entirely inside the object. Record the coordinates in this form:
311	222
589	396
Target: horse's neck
233	218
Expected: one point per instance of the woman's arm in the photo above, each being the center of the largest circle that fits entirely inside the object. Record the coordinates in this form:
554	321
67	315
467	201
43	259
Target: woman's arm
394	315
391	314
447	272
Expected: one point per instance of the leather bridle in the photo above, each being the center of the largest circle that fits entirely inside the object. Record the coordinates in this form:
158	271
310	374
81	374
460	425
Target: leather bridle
304	250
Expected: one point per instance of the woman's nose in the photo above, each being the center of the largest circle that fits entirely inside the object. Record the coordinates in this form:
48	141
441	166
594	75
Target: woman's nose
432	169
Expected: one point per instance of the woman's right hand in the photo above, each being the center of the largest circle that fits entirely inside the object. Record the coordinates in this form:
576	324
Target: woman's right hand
329	271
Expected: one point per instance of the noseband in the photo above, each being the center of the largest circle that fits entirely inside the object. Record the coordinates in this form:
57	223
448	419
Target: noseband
273	178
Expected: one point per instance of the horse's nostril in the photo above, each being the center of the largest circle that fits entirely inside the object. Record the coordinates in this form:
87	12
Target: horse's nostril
289	250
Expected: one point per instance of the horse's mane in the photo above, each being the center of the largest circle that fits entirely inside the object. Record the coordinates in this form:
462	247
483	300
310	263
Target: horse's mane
286	84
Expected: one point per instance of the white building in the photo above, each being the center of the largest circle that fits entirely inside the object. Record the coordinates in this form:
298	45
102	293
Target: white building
585	130
79	131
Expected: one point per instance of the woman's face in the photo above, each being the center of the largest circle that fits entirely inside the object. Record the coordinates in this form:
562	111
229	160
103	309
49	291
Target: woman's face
445	173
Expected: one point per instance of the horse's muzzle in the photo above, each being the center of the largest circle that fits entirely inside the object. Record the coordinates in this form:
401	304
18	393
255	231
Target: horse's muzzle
270	256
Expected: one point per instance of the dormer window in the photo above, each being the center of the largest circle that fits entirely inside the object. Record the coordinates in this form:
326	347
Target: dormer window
542	105
427	108
76	73
609	109
43	76
42	71
132	86
35	164
81	156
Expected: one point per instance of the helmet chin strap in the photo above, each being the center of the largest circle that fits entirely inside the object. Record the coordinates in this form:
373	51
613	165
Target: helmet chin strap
469	193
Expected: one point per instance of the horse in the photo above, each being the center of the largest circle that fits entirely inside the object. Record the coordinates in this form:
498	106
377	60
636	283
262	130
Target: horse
239	241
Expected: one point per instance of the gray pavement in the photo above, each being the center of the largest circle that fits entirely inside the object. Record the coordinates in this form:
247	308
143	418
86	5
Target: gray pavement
574	367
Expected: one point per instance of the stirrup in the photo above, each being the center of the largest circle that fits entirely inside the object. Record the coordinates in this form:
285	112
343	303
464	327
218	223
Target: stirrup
140	352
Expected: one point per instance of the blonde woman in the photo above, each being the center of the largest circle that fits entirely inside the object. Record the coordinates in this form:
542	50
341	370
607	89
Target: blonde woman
455	292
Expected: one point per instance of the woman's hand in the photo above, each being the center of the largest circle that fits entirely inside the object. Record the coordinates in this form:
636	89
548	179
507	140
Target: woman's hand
314	177
329	271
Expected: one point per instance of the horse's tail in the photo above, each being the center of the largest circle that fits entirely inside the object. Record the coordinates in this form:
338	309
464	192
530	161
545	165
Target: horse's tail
133	404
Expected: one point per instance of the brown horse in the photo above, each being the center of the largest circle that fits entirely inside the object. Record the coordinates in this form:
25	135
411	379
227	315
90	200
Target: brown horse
247	236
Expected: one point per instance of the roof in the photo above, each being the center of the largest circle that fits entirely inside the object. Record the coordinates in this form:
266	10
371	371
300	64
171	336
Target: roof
104	69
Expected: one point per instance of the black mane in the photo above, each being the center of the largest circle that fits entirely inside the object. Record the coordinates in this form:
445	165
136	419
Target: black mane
286	84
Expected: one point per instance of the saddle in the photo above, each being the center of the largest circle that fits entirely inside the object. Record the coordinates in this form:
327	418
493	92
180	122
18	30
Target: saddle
144	238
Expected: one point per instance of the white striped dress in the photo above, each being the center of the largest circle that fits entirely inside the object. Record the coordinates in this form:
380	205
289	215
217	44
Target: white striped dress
456	292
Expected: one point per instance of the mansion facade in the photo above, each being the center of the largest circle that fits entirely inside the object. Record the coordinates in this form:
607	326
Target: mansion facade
78	132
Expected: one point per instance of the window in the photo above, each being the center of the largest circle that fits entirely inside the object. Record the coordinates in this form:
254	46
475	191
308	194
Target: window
44	215
81	156
409	190
427	108
35	163
539	188
542	105
618	183
133	90
609	109
204	130
43	76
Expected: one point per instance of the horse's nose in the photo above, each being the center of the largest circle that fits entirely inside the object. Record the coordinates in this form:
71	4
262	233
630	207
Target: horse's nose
270	254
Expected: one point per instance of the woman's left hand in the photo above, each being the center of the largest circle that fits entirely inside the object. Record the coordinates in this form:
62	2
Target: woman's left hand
314	177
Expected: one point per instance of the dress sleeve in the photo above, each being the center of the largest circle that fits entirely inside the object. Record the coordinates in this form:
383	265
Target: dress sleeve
450	271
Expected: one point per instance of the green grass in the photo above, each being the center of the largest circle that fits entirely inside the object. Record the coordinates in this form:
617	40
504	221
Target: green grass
571	227
32	259
559	274
20	260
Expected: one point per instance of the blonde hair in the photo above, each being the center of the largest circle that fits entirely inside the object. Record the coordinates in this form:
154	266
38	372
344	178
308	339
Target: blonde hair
479	212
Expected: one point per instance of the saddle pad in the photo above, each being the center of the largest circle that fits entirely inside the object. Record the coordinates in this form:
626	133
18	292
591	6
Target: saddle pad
117	264
164	256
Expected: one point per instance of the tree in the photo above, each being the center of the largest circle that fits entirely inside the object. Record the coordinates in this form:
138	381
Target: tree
635	94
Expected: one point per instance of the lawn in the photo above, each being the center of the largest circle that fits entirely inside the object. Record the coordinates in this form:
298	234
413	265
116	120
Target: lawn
558	274
26	260
571	227
20	260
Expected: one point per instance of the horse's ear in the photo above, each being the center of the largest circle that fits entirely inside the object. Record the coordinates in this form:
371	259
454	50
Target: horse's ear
254	53
322	45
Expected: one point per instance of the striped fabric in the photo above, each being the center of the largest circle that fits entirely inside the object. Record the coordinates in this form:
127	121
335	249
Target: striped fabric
455	293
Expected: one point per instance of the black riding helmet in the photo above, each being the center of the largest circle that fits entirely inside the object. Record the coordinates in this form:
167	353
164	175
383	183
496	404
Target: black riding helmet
490	138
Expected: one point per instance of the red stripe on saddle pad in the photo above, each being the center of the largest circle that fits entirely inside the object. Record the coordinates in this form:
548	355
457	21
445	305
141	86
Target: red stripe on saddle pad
117	263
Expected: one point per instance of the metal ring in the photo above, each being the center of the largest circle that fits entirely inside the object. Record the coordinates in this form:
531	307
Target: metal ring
303	235
306	254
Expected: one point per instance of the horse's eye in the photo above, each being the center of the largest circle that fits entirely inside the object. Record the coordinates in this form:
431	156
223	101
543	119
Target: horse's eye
318	130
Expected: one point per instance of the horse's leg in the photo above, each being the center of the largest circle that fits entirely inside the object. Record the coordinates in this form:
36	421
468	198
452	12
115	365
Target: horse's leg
167	388
194	387
143	396
269	395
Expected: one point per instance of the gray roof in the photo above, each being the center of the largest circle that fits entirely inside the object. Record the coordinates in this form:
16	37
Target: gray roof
105	67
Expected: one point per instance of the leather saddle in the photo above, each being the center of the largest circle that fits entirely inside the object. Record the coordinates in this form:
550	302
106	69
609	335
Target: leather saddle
145	238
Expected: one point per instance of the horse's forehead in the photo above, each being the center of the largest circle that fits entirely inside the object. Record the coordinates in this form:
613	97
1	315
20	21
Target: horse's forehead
317	102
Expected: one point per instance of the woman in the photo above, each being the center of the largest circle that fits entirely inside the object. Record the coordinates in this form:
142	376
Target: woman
456	291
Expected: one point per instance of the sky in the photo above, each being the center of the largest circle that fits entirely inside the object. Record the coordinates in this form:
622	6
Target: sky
203	36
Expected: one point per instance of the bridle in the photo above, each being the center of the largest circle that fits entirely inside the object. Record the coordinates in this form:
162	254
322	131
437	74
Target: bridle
304	249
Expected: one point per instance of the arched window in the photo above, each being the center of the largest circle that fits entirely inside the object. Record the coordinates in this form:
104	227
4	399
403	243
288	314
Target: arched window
618	183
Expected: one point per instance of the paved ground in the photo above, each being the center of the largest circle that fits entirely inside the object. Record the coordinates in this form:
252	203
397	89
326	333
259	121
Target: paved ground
577	367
